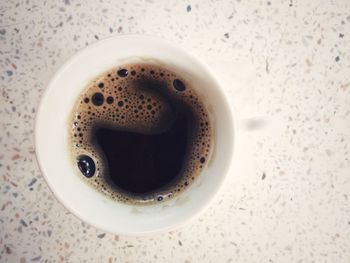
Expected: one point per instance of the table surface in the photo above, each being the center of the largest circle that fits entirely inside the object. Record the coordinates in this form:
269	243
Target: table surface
287	198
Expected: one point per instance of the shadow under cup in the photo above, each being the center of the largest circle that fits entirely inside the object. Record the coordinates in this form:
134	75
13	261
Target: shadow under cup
51	136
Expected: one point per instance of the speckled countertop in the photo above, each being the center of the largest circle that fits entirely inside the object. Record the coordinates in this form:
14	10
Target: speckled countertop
288	197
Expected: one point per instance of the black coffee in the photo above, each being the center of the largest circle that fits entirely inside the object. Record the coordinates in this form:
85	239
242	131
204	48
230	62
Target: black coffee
140	133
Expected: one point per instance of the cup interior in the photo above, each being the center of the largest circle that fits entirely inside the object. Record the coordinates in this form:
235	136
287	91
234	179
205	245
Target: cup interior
51	137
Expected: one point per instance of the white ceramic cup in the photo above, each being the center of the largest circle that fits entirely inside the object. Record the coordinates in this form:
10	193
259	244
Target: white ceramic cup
51	137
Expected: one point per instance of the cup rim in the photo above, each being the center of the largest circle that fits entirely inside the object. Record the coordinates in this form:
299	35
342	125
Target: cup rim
219	86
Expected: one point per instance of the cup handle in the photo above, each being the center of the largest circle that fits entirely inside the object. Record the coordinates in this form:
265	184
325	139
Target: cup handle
239	79
252	124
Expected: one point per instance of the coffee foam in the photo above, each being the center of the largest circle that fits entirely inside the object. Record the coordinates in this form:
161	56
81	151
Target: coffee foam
115	99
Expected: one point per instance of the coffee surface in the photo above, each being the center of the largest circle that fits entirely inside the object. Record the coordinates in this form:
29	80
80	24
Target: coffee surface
139	133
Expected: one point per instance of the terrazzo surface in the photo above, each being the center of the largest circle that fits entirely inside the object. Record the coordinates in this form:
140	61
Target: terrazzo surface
287	198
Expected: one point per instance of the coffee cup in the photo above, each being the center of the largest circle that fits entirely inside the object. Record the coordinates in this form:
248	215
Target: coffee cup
52	149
